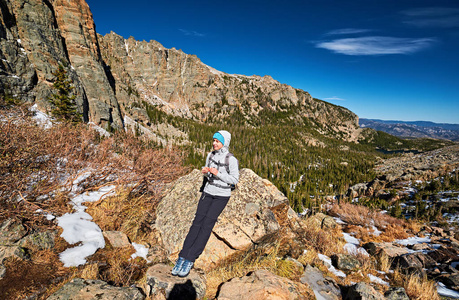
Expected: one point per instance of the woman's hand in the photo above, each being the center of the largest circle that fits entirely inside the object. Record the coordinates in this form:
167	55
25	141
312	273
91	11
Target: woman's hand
205	170
213	171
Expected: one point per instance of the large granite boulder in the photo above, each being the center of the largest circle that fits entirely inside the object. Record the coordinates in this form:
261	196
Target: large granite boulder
247	217
162	284
95	289
263	285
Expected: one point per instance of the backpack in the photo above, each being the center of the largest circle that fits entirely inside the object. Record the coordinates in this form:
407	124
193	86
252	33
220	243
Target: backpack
219	164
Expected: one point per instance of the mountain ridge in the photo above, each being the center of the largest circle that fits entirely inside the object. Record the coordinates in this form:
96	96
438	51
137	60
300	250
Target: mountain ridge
113	76
417	129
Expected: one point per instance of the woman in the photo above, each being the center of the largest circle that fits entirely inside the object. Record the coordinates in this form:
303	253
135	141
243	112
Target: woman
221	175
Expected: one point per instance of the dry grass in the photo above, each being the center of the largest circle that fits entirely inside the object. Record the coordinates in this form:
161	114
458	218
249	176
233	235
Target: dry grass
36	162
33	161
128	212
417	288
255	259
121	270
363	216
325	241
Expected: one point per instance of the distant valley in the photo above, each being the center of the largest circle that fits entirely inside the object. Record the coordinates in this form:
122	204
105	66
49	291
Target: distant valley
415	129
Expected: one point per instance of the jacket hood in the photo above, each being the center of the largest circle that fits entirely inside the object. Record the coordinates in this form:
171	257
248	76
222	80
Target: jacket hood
227	136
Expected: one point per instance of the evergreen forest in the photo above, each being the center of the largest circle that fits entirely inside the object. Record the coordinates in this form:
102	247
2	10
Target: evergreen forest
303	164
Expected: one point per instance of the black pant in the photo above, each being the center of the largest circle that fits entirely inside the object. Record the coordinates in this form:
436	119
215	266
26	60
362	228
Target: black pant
209	208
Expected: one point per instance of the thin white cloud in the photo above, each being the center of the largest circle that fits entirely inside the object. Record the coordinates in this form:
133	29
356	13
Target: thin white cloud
334	98
376	45
192	33
432	17
344	31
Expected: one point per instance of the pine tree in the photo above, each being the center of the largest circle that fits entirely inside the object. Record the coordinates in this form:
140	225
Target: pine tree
63	99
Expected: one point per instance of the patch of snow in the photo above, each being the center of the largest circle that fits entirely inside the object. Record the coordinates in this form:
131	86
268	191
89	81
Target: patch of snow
49	217
378	280
354	250
350	239
376	232
19	41
339	221
352	245
14	76
141	251
331	268
78	228
41	118
413	240
444	291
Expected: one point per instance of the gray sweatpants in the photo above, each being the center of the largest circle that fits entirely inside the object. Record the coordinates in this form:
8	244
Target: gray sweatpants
209	208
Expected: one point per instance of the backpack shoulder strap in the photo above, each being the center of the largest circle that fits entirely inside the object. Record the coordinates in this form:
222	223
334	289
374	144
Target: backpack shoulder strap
227	157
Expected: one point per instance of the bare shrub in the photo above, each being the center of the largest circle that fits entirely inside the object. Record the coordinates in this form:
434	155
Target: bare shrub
419	288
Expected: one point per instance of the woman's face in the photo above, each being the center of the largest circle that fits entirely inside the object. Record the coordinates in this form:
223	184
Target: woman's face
217	144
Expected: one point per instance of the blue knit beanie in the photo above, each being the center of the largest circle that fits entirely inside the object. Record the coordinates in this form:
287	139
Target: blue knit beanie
219	137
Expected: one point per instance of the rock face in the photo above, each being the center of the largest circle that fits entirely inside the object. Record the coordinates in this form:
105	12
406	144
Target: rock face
246	218
88	289
116	79
163	285
77	27
181	84
262	285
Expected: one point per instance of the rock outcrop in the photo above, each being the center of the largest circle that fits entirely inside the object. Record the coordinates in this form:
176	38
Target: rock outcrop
162	285
247	217
262	285
95	289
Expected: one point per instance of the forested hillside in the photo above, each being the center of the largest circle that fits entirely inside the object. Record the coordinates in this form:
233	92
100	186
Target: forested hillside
304	164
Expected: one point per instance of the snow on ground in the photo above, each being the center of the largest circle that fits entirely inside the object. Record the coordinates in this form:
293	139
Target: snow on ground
378	280
376	231
41	118
339	221
352	245
141	251
78	227
443	291
331	268
413	240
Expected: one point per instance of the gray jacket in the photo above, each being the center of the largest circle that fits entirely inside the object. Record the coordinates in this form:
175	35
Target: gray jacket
219	185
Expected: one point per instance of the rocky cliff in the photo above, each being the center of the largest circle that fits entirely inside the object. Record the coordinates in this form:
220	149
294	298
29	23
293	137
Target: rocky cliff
116	79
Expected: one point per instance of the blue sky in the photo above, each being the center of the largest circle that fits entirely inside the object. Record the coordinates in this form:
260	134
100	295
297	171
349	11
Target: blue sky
385	59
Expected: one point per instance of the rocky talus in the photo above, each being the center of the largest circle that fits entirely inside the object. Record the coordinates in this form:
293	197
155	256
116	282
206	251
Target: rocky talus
397	171
256	223
247	218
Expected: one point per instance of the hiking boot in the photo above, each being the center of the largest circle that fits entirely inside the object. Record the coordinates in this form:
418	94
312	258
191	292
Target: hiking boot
178	266
186	268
